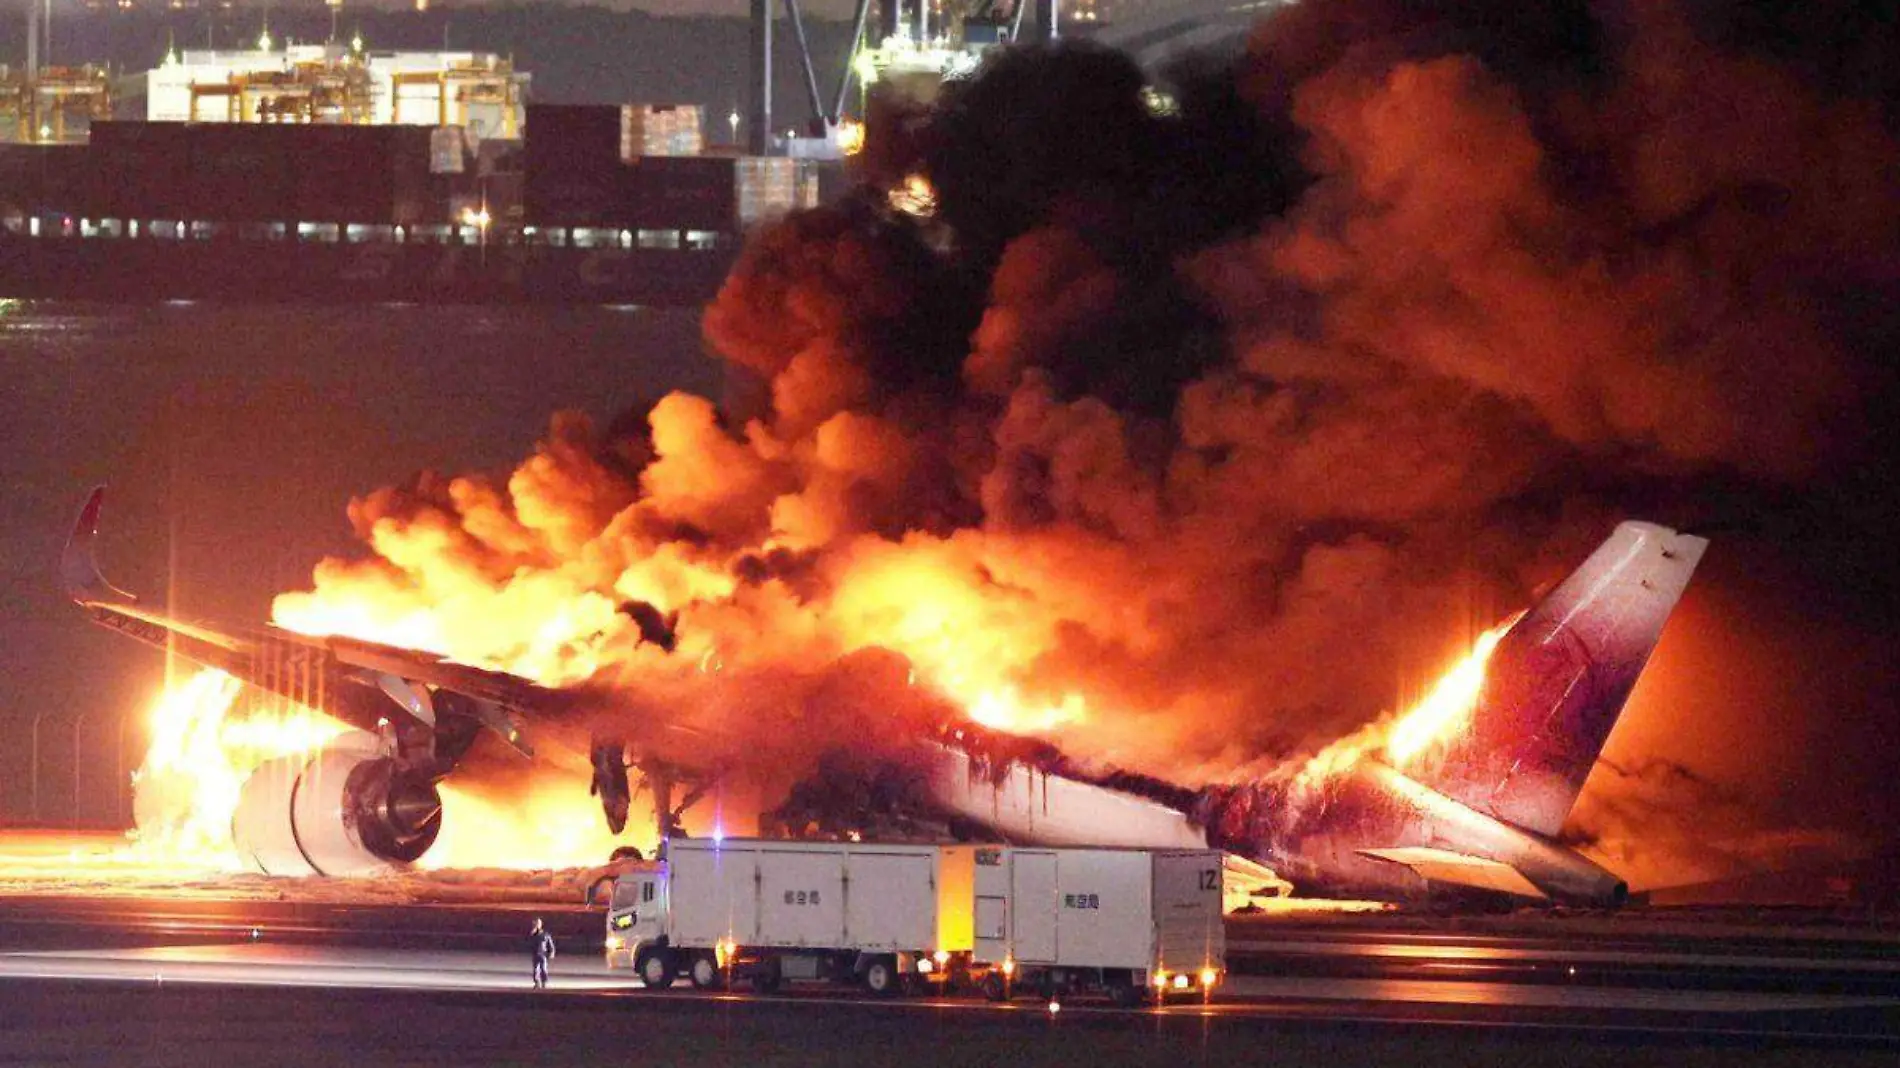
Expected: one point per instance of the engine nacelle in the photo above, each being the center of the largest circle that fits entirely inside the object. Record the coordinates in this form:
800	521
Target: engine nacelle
346	809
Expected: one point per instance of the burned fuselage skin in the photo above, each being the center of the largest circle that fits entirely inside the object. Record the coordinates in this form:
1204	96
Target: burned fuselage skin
1331	844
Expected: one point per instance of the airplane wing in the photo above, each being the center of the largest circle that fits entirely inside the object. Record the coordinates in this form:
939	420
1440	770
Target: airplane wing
1460	869
361	683
419	713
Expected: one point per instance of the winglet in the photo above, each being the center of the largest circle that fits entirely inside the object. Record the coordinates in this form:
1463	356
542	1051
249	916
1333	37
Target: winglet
79	567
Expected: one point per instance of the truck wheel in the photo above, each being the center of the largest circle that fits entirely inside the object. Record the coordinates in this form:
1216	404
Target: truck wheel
656	969
881	978
706	974
994	987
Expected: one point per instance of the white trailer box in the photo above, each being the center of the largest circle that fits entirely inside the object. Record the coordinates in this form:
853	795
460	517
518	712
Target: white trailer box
773	910
1121	920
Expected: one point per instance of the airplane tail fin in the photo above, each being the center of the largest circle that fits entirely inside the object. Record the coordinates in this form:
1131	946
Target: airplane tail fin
1558	680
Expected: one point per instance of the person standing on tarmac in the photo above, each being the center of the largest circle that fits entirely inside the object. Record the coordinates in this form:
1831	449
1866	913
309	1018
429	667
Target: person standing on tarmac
541	943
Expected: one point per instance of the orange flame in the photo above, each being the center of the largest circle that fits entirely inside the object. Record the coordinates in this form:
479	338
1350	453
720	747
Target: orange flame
1431	721
1446	707
552	824
187	789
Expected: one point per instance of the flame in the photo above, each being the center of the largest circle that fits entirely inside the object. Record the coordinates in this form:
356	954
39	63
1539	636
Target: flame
202	750
186	790
915	196
1446	707
1430	722
963	639
552	824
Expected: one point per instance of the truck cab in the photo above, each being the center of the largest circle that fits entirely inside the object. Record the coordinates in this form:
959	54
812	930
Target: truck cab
636	913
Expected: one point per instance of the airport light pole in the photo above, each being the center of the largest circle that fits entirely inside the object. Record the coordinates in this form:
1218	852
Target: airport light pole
38	715
118	770
79	737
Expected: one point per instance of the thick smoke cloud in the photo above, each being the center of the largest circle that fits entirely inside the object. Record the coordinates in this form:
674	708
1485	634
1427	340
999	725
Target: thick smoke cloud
1192	438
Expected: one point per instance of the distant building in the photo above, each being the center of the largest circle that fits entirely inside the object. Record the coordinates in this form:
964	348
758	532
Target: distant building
53	105
332	83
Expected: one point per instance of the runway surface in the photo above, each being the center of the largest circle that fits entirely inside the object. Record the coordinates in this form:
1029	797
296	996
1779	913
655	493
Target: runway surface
208	982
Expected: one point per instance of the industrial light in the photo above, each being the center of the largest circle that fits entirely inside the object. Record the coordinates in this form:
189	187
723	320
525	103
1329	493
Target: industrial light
1009	965
1208	975
1181	981
615	942
924	967
1161	980
941	957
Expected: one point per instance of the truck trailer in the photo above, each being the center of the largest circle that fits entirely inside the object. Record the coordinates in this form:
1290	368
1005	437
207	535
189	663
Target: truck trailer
1132	924
890	916
1127	923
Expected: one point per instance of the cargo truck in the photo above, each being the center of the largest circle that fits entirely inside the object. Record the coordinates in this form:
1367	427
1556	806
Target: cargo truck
891	917
1131	924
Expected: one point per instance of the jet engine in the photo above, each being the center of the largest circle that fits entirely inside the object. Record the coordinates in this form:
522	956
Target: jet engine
348	809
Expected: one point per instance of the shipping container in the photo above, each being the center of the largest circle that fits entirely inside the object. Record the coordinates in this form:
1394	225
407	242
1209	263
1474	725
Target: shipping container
419	197
342	174
1128	923
44	179
240	172
572	135
661	130
769	187
571	172
679	193
141	170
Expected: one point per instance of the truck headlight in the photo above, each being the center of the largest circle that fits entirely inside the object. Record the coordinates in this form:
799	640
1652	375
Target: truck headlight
1181	981
924	967
1208	975
614	942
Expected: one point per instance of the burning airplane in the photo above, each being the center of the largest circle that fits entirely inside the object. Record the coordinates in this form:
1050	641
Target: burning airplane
1466	791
